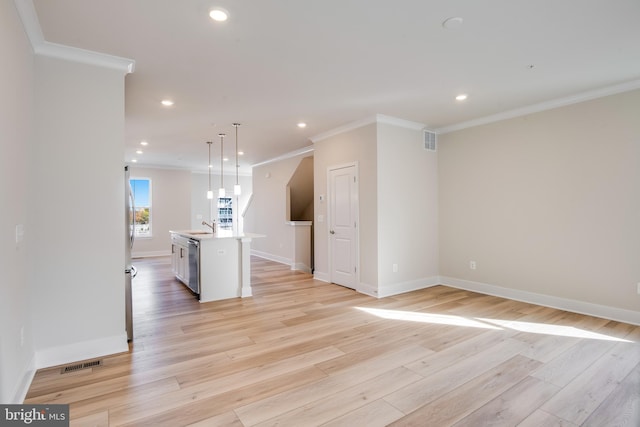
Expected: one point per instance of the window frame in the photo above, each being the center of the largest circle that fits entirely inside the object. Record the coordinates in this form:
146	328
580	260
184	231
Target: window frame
149	234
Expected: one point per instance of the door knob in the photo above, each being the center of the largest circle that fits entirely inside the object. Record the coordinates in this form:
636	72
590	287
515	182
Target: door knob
332	232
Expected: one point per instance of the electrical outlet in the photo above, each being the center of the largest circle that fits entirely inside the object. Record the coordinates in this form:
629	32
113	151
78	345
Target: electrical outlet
472	265
394	267
638	288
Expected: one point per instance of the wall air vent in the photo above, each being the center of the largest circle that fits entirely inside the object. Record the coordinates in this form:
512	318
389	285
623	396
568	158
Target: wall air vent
78	366
430	139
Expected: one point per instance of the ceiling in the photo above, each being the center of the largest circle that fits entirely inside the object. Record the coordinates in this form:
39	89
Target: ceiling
275	63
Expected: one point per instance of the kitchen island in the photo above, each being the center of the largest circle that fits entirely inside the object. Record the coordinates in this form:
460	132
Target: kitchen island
220	269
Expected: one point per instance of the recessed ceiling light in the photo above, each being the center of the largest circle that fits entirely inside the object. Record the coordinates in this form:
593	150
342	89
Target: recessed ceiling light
226	159
302	125
144	143
240	153
167	102
452	23
134	161
219	14
461	97
138	151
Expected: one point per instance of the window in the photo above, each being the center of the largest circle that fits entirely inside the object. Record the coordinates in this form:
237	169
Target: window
225	213
142	198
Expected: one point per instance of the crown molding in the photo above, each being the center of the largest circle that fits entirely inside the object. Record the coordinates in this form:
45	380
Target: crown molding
285	156
344	128
381	118
543	106
378	118
40	46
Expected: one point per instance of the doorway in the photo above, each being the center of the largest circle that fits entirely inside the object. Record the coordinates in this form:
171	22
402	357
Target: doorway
343	224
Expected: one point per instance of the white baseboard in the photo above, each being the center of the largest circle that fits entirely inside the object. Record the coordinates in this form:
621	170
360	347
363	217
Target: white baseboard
402	287
581	307
300	266
271	257
367	289
150	254
20	392
323	277
60	355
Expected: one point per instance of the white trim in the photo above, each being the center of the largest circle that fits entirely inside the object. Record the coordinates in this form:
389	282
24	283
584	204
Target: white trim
299	223
381	118
411	285
150	254
271	257
301	266
367	289
378	118
322	276
543	106
40	46
581	307
285	156
344	128
22	388
59	355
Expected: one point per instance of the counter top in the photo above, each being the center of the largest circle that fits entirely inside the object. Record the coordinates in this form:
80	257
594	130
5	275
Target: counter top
220	234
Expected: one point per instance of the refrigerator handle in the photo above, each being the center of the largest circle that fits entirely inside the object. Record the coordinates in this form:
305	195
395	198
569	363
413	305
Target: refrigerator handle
134	272
133	216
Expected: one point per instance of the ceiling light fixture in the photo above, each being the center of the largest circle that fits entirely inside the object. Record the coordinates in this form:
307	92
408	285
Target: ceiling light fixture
209	192
145	143
302	125
452	23
138	151
236	188
461	97
219	14
221	192
167	102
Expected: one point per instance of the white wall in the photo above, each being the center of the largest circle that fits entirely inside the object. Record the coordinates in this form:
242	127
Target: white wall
202	208
357	145
170	208
267	213
407	210
547	203
16	124
76	215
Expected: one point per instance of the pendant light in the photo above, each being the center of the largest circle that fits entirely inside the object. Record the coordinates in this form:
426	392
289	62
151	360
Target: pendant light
209	165
221	192
236	188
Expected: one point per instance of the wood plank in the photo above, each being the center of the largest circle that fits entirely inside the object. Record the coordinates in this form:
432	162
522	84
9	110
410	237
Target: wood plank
458	403
300	351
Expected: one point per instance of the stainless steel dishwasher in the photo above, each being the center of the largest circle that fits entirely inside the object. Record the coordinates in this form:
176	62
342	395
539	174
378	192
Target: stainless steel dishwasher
193	277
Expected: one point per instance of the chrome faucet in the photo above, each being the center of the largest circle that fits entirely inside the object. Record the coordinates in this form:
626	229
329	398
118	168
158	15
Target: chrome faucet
212	226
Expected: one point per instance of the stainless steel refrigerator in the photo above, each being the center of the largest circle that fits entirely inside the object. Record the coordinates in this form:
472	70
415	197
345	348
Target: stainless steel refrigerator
129	269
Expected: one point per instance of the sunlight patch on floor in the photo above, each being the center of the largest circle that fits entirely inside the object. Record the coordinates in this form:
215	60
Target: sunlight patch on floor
547	329
484	323
440	319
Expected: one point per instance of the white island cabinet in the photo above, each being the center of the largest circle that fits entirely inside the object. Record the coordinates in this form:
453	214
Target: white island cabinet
224	263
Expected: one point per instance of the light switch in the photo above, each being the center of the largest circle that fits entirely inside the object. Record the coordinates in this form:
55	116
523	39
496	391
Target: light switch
320	218
19	233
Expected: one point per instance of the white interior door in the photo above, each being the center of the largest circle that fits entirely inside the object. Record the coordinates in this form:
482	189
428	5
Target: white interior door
343	242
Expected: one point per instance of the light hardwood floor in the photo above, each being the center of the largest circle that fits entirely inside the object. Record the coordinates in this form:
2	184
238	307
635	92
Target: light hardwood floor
302	352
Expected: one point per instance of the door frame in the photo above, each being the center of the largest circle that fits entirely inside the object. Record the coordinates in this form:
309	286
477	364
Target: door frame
356	171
